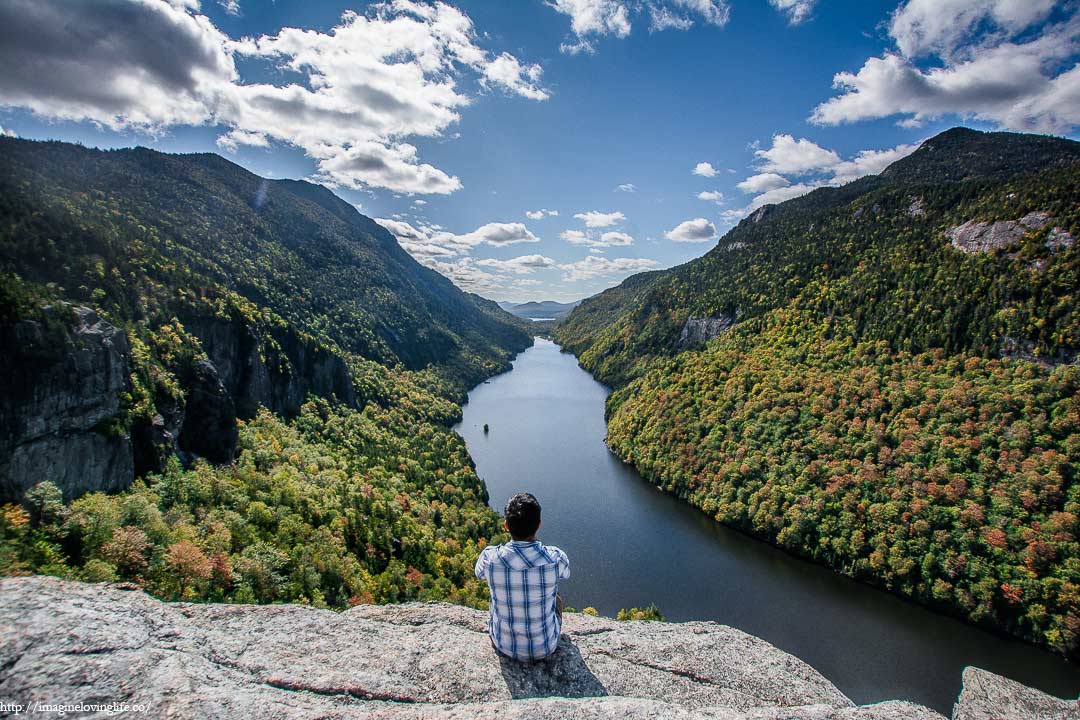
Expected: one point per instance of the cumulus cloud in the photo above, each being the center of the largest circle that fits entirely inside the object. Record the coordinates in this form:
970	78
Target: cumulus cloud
626	187
151	64
790	156
802	157
597	242
350	97
795	10
597	219
763	182
594	266
590	19
868	162
714	196
941	26
705	169
692	231
431	241
498	234
466	275
540	214
987	60
521	265
507	71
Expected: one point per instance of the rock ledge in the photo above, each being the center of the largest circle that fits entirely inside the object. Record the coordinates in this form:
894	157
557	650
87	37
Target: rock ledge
69	642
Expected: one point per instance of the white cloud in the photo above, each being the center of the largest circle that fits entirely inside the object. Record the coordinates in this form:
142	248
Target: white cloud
763	182
498	234
466	275
540	214
349	97
627	187
714	196
7	132
508	72
796	10
704	169
868	162
230	140
596	243
681	14
521	265
590	19
984	64
940	26
597	219
232	7
770	187
593	266
432	241
790	156
692	231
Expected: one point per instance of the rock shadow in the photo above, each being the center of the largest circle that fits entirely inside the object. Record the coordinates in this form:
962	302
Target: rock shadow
561	674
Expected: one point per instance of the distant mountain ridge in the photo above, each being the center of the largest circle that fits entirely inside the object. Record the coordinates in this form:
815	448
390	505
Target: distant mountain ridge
540	310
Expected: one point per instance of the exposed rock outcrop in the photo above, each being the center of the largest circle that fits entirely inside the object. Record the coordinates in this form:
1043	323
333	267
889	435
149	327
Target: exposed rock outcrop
59	395
209	428
1059	239
278	375
71	642
973	237
987	696
700	330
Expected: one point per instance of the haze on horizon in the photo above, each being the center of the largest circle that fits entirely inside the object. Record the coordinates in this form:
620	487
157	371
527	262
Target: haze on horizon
542	150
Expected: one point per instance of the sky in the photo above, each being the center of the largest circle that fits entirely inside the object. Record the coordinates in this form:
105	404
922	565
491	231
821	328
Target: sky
541	149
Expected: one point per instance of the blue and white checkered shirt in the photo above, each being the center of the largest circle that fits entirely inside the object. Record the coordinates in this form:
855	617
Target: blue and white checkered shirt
523	578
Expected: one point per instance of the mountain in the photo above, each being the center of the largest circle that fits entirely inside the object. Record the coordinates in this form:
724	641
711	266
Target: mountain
543	310
880	377
261	378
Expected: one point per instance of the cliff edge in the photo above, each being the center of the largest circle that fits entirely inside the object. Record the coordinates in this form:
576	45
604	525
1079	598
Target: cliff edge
69	642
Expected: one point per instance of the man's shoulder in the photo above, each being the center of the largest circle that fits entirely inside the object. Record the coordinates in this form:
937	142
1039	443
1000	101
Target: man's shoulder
555	552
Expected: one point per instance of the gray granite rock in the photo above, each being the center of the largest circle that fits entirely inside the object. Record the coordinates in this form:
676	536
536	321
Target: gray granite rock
987	696
700	330
60	389
973	237
62	641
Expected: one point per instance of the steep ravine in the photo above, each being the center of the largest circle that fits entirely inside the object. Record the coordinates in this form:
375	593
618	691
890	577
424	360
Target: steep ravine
72	643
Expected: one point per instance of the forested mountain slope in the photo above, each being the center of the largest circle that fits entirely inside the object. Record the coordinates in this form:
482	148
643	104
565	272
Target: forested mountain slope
881	377
275	370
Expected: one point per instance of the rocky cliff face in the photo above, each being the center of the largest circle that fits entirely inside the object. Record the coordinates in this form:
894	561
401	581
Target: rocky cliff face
61	418
59	393
71	642
277	372
700	330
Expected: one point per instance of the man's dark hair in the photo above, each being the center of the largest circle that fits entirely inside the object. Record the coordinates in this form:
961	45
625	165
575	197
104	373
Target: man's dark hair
523	516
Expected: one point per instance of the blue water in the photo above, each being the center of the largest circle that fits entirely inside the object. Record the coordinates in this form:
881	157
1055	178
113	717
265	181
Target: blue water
630	544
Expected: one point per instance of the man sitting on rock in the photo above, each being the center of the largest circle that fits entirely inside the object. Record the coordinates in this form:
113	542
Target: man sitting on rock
523	577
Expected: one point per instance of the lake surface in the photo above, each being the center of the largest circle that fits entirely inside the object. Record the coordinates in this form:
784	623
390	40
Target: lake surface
630	545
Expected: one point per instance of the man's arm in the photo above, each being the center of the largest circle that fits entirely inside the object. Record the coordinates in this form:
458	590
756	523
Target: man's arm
482	562
563	563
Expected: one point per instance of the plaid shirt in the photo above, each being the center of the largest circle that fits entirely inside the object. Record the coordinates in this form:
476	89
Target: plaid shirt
523	578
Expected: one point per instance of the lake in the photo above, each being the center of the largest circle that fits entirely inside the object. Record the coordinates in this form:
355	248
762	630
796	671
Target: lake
631	545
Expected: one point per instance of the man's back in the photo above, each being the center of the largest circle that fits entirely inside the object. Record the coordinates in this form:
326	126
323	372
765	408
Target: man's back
523	578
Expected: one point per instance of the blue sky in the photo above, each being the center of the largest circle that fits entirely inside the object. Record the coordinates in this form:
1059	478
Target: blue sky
542	150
